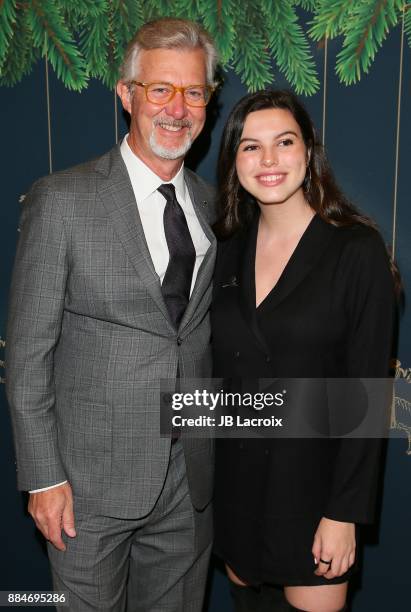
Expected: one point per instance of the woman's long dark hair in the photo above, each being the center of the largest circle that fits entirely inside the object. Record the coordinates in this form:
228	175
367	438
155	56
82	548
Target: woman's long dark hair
237	207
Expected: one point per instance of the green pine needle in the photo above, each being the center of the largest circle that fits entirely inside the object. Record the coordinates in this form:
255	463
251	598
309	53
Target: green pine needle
79	13
20	54
307	5
251	59
218	20
331	18
94	43
55	41
104	39
85	8
7	19
152	9
290	47
374	19
187	9
125	19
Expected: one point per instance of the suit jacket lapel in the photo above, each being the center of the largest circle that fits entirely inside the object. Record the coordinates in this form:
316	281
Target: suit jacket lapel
118	198
204	275
117	195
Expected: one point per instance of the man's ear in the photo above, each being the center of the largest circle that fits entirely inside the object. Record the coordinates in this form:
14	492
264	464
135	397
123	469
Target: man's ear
123	92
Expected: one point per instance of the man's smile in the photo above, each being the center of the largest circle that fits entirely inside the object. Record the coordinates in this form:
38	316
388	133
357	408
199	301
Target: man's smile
176	125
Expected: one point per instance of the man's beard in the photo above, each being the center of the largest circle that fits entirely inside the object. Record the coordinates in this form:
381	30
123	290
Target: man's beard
171	152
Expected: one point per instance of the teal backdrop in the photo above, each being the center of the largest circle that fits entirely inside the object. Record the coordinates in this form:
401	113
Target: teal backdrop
366	129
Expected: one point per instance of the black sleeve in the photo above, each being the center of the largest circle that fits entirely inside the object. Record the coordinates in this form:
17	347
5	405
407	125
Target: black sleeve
370	303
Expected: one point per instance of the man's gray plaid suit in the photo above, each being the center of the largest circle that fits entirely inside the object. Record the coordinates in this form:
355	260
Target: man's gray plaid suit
90	338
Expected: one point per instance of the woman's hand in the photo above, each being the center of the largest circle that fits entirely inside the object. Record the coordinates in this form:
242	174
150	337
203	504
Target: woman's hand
333	541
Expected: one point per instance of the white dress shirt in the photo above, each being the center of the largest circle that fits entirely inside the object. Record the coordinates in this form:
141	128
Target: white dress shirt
151	205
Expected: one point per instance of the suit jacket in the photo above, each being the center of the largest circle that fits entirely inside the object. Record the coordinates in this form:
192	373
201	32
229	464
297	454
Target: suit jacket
89	339
329	316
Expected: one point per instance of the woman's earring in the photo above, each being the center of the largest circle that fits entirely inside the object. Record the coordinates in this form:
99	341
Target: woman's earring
307	179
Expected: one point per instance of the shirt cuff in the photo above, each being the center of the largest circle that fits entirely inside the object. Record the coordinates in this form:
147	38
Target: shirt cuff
47	488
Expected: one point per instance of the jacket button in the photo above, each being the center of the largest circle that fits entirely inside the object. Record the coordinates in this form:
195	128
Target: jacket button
179	341
236	353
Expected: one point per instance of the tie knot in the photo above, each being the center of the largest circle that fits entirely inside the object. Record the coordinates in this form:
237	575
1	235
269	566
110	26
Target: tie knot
168	191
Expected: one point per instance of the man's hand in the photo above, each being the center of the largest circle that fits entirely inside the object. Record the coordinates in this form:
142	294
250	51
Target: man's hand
52	511
334	541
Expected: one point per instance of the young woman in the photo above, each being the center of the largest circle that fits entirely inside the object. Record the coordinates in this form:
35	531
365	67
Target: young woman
303	288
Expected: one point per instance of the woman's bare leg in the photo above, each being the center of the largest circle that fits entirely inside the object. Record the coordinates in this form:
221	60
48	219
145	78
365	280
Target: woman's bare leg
323	598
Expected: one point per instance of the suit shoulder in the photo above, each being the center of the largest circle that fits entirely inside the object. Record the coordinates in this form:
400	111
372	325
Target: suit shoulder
60	193
74	179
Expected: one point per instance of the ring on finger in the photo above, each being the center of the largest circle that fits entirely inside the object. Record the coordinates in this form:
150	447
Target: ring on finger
326	562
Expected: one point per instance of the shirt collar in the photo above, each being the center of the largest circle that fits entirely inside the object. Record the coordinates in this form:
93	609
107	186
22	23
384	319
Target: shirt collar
148	182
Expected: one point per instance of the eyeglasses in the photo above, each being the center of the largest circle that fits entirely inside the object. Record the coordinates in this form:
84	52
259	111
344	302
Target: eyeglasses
162	93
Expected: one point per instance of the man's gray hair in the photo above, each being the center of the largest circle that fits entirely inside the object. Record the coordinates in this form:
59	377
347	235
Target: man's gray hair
168	33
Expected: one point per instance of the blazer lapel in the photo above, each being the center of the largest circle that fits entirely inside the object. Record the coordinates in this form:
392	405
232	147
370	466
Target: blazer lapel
307	253
247	284
205	272
118	198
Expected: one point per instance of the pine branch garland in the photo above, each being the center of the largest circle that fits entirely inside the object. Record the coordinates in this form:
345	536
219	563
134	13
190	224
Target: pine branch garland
101	45
187	9
87	8
82	9
307	5
21	53
85	38
104	41
373	20
290	47
94	43
131	17
7	19
79	13
52	37
218	19
331	18
112	49
251	59
125	17
152	9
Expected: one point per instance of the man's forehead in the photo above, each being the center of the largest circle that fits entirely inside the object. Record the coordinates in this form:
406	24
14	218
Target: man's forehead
163	60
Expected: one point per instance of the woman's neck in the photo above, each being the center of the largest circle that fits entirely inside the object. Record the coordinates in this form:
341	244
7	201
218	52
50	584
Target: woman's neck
287	219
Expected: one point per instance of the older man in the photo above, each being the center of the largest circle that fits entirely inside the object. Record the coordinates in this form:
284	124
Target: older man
110	295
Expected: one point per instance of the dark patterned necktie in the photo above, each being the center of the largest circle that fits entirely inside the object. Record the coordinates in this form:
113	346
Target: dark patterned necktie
177	280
